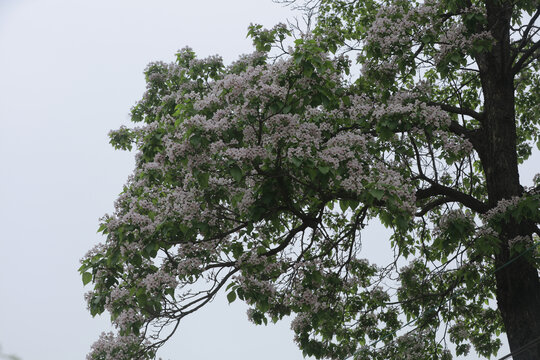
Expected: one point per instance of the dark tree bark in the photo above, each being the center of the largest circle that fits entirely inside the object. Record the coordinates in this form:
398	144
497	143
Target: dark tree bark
518	284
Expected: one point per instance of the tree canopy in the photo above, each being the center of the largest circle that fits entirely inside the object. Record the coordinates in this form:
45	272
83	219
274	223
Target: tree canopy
256	179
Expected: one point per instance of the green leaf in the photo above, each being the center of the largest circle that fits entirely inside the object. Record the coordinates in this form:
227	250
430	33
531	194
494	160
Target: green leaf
324	169
203	179
230	286
308	70
402	222
313	174
332	47
296	161
137	260
376	193
455	57
86	278
195	140
231	296
236	173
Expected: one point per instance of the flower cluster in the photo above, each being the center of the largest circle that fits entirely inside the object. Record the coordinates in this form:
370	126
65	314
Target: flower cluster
458	38
501	207
452	144
159	280
112	347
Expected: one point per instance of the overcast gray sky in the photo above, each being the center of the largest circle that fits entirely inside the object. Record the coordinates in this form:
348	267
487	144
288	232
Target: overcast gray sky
70	71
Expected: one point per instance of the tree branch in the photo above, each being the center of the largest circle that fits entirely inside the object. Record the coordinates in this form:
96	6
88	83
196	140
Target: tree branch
437	189
525	39
458	110
518	66
471	135
431	205
287	240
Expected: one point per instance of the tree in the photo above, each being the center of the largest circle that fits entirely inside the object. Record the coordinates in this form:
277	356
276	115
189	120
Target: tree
256	179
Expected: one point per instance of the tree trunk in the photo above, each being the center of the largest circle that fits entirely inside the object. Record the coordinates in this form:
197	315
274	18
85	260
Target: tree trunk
518	284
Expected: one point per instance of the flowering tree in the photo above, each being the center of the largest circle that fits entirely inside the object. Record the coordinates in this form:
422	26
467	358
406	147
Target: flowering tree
256	180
